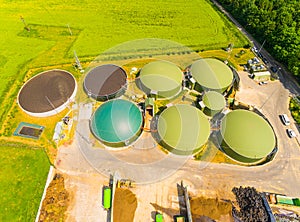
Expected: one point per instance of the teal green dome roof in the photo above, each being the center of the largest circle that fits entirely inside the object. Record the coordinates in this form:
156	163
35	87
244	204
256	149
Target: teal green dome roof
117	121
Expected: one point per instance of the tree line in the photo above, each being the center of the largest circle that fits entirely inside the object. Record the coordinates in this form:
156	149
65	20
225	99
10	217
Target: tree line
277	22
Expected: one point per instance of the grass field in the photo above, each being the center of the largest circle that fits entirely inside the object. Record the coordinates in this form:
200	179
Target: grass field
96	27
23	175
107	23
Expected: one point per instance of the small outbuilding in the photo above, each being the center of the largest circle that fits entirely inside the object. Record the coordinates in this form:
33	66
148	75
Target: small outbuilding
261	76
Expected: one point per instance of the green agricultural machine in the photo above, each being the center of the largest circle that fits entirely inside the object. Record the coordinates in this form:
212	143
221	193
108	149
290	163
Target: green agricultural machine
159	217
107	198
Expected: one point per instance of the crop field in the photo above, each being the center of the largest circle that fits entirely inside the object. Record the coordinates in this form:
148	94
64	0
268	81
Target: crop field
22	180
90	28
96	27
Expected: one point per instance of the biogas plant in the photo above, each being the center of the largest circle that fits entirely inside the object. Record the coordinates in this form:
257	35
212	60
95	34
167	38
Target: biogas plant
181	106
186	110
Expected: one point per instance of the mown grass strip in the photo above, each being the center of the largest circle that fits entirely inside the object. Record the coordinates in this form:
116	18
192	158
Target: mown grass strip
23	175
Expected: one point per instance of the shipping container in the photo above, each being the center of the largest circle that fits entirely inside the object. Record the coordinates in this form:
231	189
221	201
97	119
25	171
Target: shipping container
284	200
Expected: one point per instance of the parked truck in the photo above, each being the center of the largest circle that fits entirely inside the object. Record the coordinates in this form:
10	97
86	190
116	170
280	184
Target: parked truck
282	199
159	217
107	198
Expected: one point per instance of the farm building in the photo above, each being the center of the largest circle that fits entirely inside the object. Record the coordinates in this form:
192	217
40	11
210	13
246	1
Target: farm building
161	79
117	123
47	93
246	137
261	76
211	74
105	82
183	129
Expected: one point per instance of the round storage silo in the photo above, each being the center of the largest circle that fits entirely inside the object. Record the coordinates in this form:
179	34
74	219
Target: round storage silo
246	136
117	123
214	103
160	78
211	74
47	93
183	129
105	82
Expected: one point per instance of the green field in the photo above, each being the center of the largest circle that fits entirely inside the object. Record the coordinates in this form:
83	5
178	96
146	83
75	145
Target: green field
96	27
107	23
23	175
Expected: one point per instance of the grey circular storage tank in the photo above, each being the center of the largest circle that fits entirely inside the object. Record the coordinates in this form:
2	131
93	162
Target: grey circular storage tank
160	78
105	82
117	123
211	74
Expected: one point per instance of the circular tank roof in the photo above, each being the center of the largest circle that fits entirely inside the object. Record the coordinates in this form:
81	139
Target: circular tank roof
247	134
161	76
47	93
214	100
116	121
105	80
212	74
183	128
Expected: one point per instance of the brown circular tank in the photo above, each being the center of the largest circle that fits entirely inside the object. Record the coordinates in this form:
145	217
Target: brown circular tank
105	82
47	93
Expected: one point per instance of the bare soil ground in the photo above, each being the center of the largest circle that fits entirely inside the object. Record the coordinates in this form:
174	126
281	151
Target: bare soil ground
125	204
86	201
85	186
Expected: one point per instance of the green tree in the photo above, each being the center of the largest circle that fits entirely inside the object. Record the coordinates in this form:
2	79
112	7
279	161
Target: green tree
276	21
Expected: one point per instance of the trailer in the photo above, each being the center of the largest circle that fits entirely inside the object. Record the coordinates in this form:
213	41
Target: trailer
287	200
180	219
282	199
107	198
125	183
